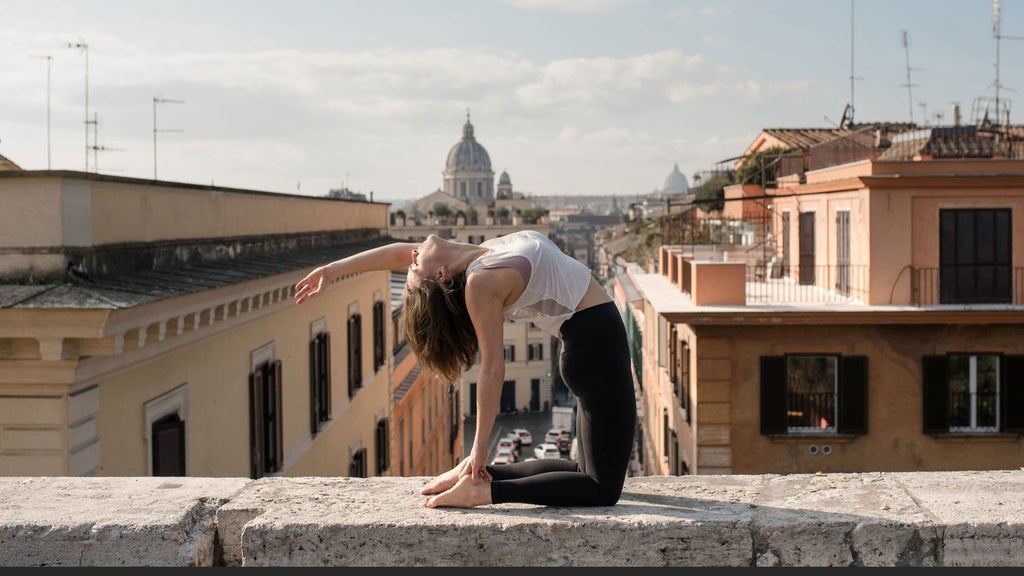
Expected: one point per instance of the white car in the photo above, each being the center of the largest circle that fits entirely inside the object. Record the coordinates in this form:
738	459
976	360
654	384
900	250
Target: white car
554	434
546	450
502	456
525	438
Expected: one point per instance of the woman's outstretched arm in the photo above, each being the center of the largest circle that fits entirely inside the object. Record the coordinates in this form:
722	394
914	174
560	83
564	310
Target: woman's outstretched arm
389	257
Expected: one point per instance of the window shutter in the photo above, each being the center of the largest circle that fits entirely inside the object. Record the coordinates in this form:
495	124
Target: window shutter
935	394
773	395
314	385
853	395
325	376
256	422
1013	394
169	447
353	337
278	419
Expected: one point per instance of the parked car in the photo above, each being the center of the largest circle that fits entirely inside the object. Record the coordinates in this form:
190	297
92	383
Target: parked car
502	456
509	444
524	436
553	434
546	450
564	443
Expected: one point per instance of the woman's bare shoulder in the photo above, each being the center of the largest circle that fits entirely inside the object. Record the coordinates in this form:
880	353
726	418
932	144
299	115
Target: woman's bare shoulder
494	285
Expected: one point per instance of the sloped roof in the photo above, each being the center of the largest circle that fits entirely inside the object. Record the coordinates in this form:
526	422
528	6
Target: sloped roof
943	143
803	137
144	286
6	164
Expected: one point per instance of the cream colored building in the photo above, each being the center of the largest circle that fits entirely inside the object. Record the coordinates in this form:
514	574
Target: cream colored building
183	353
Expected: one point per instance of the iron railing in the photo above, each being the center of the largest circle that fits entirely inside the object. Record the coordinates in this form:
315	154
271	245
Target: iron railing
779	283
811	410
967	285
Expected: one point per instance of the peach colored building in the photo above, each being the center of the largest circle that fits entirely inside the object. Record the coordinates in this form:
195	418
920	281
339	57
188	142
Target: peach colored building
886	334
149	328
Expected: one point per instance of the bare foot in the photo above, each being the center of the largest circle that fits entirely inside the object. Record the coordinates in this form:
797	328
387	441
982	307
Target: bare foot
441	483
446	480
463	495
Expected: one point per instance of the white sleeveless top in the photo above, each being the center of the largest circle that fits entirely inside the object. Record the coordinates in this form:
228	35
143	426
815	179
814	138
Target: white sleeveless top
556	282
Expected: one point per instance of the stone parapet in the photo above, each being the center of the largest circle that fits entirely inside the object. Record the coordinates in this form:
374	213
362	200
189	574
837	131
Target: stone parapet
869	519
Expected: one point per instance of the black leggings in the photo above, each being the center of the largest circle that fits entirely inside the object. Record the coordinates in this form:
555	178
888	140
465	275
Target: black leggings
595	364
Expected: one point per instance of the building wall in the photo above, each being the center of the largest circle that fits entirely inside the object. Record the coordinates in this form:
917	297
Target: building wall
75	381
895	440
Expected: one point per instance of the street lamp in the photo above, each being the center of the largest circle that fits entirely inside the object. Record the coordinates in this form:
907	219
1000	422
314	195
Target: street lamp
155	102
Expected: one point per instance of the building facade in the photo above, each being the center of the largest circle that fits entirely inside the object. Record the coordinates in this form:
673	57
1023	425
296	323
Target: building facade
885	334
149	328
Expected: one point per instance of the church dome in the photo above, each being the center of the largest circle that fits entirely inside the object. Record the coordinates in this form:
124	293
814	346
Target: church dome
504	178
675	182
468	154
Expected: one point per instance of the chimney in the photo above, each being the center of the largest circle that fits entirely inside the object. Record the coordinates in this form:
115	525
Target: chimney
956	114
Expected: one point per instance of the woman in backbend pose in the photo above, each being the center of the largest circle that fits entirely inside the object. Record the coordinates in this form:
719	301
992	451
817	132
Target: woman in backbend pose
457	297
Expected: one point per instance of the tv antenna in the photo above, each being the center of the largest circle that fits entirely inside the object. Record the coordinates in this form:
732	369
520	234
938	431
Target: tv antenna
852	76
157	100
49	66
997	16
84	48
909	85
96	148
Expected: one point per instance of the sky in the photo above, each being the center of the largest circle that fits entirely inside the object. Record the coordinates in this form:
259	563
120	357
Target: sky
570	97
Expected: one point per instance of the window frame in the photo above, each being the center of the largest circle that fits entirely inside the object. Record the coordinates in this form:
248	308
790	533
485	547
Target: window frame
935	377
852	408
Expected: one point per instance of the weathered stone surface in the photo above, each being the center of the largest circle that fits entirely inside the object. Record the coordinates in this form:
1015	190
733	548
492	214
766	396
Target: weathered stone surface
873	519
60	521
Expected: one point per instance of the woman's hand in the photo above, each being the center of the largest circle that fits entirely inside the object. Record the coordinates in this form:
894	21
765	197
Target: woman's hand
476	466
314	283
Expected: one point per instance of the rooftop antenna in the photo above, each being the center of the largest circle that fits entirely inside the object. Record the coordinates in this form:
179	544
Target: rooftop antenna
156	101
997	16
852	77
84	48
96	147
909	85
49	65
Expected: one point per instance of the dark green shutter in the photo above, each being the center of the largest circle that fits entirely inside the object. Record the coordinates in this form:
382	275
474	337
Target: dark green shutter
935	394
773	395
1013	394
853	395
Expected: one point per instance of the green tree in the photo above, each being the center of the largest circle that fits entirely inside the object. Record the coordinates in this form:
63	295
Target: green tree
761	167
710	197
442	212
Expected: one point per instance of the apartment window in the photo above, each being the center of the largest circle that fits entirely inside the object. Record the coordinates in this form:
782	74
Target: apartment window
475	238
168	435
319	381
806	247
681	371
510	353
355	353
357	468
972	393
380	441
975	257
814	394
378	335
167	441
535	352
266	430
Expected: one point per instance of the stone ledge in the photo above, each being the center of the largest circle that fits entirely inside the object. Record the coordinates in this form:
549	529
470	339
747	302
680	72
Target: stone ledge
872	519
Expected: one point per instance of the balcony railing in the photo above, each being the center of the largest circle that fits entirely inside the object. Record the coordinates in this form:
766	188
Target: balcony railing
777	283
967	285
811	411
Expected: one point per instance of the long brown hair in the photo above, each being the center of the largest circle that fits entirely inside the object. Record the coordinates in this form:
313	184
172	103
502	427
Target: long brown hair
438	327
